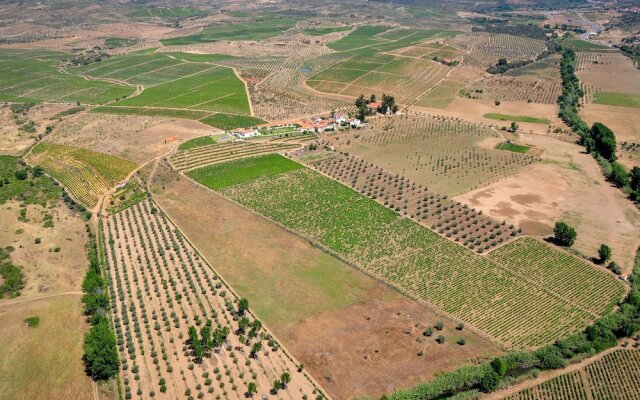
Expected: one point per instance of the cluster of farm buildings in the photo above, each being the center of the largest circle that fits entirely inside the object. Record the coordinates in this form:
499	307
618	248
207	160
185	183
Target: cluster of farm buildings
316	124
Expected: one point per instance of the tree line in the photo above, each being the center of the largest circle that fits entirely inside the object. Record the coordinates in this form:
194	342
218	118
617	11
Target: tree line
100	352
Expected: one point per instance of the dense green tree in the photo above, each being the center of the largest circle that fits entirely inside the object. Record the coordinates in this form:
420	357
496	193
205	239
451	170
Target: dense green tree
605	253
243	305
490	381
100	353
618	175
564	234
604	141
514	127
634	179
499	366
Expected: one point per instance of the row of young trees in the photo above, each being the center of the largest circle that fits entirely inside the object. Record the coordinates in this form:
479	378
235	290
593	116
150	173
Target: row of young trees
100	352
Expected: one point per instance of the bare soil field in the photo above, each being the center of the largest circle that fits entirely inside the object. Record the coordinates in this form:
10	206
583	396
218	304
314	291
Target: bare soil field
135	138
46	270
624	121
44	362
474	110
348	329
19	130
568	185
614	72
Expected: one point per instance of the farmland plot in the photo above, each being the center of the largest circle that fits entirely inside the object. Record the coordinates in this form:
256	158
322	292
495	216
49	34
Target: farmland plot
442	153
414	259
449	218
188	160
162	290
484	49
88	175
522	89
33	76
612	377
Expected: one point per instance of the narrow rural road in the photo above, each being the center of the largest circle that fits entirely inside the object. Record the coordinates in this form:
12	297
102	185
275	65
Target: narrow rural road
20	300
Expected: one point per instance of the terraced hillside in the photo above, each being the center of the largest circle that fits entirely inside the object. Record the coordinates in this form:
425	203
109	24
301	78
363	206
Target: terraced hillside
88	175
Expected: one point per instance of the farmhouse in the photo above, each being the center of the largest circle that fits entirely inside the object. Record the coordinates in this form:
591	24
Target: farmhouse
373	105
244	133
121	184
318	125
172	139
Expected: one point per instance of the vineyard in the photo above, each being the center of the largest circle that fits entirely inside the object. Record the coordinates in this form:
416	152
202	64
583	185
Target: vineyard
419	262
448	217
575	280
169	306
33	76
484	49
188	160
88	175
439	152
613	377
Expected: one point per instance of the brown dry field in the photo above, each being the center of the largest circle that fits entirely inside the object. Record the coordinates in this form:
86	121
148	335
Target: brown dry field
46	271
136	138
624	121
614	72
13	141
355	335
568	185
44	362
474	110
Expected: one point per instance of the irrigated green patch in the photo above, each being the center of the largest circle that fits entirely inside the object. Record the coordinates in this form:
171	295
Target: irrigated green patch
617	99
196	142
242	31
517	118
325	31
493	297
220	176
516	148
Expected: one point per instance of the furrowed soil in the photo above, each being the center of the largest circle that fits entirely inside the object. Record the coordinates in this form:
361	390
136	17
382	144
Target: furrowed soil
348	329
569	186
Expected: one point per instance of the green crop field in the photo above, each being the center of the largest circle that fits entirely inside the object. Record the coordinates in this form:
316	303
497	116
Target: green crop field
220	176
177	85
239	31
325	31
33	76
166	12
196	142
517	118
617	99
495	298
516	148
361	37
86	174
583	45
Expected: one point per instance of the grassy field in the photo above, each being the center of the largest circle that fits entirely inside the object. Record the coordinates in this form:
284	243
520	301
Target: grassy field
421	263
86	174
516	148
220	176
441	95
325	31
238	31
44	362
33	76
583	45
115	42
617	99
517	118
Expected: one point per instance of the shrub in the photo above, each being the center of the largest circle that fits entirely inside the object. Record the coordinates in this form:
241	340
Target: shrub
564	234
